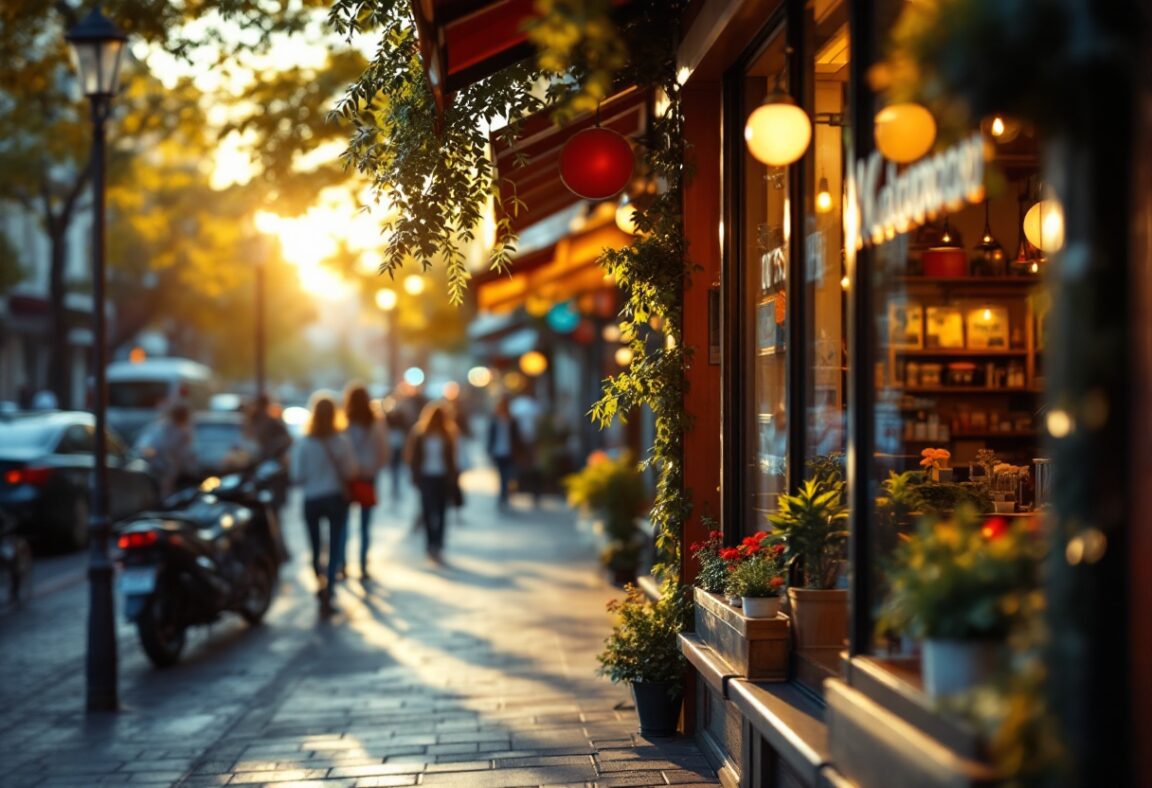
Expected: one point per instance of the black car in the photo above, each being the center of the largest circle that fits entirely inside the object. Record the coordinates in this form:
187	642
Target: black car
46	476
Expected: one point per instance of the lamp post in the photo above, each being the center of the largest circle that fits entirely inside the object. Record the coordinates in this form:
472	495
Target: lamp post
386	300
98	44
260	322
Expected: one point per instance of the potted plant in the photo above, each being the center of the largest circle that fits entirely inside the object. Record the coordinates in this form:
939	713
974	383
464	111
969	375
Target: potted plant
810	525
613	488
713	573
643	650
959	584
758	577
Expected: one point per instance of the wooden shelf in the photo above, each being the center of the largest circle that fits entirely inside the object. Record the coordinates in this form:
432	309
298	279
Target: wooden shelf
955	436
971	281
955	351
964	390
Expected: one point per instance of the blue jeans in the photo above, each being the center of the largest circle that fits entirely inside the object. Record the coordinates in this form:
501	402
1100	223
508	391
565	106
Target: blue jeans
507	469
365	533
333	509
434	503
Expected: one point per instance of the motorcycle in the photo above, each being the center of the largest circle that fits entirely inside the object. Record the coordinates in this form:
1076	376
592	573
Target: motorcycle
207	550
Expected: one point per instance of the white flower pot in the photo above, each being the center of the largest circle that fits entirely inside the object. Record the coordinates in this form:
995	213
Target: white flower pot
952	666
760	606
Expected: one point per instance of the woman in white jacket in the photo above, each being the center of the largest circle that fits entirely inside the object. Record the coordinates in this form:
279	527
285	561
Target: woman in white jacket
369	439
322	464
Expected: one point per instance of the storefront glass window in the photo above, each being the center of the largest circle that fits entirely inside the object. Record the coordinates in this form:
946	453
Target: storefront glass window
959	314
765	261
825	280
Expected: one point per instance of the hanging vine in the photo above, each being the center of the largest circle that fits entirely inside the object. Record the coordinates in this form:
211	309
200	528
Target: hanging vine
437	176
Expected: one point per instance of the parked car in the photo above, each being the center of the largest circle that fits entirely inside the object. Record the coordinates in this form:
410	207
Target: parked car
137	391
220	443
46	477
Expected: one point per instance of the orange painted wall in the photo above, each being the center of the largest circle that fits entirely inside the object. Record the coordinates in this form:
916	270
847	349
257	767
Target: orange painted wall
702	206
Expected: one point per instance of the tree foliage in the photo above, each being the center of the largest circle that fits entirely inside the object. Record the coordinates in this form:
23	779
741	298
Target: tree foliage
438	175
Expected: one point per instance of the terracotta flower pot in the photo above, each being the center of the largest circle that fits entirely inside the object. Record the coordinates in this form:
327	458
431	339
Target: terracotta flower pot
819	616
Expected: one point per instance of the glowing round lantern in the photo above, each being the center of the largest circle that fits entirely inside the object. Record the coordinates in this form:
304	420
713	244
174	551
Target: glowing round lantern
537	306
596	163
624	356
905	132
1044	226
563	318
533	363
778	131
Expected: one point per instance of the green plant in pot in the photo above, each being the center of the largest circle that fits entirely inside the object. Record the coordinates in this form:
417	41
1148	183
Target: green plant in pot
810	525
758	577
613	489
643	650
960	584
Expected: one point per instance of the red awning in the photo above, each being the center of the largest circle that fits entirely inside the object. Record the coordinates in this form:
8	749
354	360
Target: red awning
464	41
530	168
566	269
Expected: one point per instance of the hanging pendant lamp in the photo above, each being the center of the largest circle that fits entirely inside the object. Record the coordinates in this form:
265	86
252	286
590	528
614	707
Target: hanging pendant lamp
778	131
992	258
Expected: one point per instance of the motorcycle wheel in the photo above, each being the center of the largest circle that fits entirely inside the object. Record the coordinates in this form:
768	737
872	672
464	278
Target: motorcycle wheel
161	635
261	585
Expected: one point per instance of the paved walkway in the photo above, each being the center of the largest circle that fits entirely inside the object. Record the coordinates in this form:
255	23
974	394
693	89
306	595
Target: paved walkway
480	672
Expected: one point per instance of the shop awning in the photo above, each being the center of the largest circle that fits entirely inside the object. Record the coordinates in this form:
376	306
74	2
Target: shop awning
464	41
563	270
530	168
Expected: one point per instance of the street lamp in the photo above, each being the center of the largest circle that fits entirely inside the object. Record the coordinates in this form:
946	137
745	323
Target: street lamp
386	300
98	45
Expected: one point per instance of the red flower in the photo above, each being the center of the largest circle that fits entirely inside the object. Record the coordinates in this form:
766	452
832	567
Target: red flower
714	535
730	554
777	581
778	548
994	528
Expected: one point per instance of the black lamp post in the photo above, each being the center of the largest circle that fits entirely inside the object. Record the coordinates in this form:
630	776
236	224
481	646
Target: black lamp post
98	45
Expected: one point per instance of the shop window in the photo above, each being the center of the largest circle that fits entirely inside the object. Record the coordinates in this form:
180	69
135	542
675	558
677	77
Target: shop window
959	314
765	235
825	277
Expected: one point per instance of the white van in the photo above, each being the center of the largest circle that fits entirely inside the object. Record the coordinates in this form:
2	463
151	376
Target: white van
138	390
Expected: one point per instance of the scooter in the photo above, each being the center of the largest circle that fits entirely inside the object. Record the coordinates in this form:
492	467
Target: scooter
208	550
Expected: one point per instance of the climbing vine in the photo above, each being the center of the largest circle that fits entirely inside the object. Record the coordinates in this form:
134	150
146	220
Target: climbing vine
436	174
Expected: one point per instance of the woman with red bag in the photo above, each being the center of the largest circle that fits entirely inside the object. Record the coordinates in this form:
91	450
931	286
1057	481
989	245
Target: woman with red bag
322	462
369	439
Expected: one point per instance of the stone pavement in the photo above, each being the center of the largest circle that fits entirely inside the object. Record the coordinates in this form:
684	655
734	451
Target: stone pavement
478	672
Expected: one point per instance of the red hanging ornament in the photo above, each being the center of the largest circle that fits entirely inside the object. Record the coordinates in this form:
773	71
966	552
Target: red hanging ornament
596	163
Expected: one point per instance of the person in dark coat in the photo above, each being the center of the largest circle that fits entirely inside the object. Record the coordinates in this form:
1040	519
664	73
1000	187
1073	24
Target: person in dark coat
504	447
431	456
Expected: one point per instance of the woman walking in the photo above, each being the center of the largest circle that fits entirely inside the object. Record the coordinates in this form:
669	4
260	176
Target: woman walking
321	464
369	440
431	455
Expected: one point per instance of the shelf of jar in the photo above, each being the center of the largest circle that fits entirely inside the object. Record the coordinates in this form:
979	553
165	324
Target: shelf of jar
966	389
971	281
976	436
961	352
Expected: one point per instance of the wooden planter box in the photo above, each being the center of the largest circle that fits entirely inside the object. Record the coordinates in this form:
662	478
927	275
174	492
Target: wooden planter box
756	648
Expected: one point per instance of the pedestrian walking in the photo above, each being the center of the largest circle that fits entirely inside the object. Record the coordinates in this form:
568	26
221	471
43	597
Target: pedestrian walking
431	456
167	448
322	463
273	441
369	441
504	446
398	425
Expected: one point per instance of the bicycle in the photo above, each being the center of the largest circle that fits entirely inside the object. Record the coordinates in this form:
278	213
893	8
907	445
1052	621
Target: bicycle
15	564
